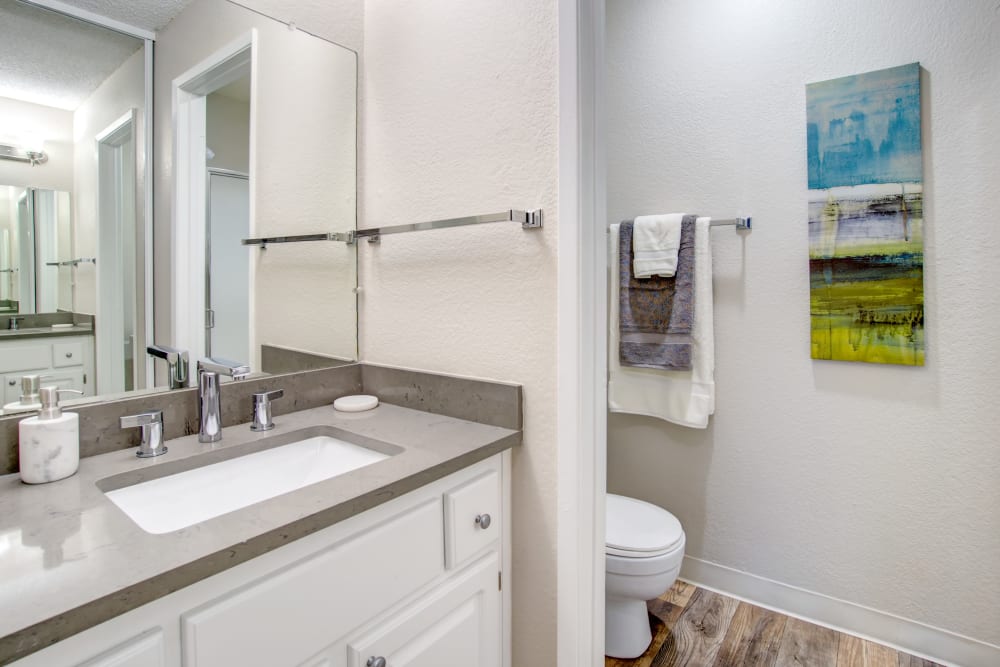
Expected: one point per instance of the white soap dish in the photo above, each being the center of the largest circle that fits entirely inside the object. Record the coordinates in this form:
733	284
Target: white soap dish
62	326
355	403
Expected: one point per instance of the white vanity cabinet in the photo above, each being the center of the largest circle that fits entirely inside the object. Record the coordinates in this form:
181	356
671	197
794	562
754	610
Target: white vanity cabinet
414	582
63	361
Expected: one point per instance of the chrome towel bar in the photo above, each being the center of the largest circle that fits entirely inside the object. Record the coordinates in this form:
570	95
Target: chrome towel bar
528	220
74	262
739	223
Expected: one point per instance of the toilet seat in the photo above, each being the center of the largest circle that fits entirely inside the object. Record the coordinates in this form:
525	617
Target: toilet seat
637	529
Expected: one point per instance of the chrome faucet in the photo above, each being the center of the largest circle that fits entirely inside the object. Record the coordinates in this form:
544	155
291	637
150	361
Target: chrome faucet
12	322
209	412
178	366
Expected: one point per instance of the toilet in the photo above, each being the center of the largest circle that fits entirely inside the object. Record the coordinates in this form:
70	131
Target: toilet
644	548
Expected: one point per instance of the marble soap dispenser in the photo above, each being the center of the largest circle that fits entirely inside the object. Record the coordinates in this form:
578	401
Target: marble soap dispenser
49	444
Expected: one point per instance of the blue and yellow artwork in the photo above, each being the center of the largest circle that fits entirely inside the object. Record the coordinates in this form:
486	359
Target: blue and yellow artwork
866	262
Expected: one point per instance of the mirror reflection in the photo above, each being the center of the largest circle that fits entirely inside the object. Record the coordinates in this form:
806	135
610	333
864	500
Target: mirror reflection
91	260
259	120
72	101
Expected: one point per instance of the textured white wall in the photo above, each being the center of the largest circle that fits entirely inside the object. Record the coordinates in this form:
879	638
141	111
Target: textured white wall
228	133
55	127
303	173
340	21
875	484
122	91
460	117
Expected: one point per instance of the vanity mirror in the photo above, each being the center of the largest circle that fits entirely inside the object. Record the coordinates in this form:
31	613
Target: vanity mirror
253	133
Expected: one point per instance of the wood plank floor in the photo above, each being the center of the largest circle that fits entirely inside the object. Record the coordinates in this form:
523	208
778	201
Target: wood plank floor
695	627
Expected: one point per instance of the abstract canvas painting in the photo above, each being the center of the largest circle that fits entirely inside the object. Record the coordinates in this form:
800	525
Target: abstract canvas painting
866	220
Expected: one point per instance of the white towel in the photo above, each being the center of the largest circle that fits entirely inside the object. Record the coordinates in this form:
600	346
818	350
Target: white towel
682	397
655	242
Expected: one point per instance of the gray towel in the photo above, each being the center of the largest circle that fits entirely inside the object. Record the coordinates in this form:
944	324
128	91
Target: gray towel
656	315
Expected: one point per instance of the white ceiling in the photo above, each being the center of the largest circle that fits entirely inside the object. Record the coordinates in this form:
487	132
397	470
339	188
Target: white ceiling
57	61
147	14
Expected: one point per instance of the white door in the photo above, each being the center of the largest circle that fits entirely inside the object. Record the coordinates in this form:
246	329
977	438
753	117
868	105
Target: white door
118	360
227	275
26	251
46	252
457	625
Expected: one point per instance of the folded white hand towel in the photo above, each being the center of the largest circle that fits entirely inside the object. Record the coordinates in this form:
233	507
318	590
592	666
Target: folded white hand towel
682	397
655	242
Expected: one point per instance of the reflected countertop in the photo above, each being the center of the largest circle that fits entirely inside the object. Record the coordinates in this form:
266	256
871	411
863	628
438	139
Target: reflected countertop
71	559
46	332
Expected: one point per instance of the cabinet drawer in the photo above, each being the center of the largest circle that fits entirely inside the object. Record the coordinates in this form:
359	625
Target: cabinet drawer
465	510
313	602
147	650
67	354
24	357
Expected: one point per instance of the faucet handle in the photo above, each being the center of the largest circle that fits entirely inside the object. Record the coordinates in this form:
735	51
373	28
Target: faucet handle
262	409
151	423
234	369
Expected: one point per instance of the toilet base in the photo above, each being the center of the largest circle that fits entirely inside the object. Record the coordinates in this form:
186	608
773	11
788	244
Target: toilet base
626	627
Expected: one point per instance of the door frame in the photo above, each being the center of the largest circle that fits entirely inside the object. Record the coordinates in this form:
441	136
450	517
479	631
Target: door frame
116	178
582	336
190	182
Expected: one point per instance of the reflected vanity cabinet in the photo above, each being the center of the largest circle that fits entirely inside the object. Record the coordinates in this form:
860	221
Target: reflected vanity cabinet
66	362
416	582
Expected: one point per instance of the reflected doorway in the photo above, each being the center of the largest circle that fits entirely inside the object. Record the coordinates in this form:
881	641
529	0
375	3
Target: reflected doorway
211	311
227	269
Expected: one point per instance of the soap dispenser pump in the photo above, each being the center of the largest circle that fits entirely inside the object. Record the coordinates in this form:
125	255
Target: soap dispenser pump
49	444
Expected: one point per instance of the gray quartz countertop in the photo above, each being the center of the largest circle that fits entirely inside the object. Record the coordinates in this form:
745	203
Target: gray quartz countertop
71	559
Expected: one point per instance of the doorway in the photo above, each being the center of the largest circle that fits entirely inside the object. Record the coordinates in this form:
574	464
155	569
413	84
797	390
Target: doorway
213	211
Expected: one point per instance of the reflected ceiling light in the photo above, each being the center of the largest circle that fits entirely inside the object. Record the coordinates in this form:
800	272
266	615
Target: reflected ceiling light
32	156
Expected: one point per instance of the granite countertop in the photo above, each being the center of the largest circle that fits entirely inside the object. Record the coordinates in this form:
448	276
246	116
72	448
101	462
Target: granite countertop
46	332
71	559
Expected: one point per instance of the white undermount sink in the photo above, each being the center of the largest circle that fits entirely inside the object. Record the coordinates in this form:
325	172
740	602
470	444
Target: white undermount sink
289	462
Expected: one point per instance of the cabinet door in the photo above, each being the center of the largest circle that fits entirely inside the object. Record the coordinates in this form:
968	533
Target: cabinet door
65	379
456	625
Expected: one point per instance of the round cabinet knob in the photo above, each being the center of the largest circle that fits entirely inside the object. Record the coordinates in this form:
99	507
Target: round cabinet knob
376	662
12	382
484	521
69	355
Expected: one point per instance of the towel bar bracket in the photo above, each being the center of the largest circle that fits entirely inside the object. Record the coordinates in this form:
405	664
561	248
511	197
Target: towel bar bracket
532	219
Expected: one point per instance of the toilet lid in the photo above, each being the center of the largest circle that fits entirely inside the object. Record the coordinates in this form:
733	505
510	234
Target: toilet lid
640	528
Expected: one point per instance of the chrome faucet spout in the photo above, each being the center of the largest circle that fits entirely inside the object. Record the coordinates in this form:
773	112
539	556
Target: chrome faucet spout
209	410
234	369
178	366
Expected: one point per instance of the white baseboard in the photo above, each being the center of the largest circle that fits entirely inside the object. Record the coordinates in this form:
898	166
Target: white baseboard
900	633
